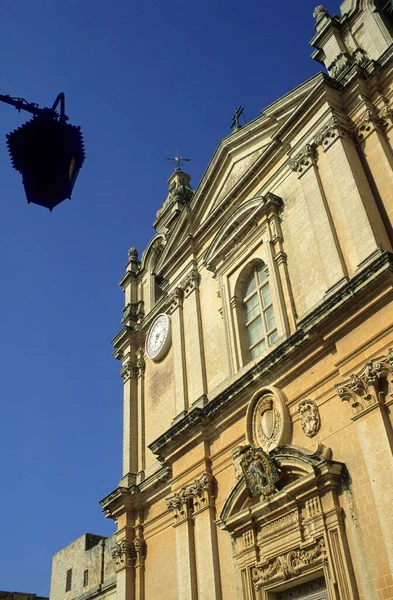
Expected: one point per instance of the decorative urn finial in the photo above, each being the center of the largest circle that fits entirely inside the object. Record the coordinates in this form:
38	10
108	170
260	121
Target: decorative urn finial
133	254
319	12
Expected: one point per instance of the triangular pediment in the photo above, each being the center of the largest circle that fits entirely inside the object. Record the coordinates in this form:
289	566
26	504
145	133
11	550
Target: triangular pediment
245	151
234	171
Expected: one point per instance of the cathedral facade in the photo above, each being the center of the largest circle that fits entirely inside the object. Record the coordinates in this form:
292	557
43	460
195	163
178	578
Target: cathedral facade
256	353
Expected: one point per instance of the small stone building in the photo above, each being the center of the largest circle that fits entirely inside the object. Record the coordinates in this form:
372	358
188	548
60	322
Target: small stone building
84	569
20	596
256	352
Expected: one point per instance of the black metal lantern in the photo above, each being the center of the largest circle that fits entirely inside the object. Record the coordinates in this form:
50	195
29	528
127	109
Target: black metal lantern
47	151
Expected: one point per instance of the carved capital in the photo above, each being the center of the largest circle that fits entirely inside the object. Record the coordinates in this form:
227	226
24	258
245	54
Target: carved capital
133	311
201	491
124	555
177	504
175	300
372	385
140	548
368	123
190	282
192	498
305	159
129	371
331	132
386	113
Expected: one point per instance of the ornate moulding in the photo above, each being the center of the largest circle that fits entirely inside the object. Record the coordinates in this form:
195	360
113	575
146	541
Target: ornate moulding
268	423
295	531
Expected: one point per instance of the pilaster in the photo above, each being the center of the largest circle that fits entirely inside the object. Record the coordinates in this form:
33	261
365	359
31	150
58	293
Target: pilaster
196	377
181	508
329	249
194	505
129	372
358	224
175	309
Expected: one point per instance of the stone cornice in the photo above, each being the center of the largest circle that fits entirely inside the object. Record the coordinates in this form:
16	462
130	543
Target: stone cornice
130	498
199	417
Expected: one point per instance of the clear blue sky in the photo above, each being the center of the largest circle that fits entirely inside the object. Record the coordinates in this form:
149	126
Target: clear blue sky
141	78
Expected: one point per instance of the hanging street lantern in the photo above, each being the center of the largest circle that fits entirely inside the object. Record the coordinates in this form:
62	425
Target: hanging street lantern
47	151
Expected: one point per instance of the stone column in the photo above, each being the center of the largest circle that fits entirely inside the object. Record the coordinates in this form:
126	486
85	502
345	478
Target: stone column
180	505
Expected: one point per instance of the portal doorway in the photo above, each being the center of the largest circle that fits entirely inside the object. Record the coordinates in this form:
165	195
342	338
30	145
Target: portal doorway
313	590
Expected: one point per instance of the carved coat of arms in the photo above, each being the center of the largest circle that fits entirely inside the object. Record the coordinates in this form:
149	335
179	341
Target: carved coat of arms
309	417
259	471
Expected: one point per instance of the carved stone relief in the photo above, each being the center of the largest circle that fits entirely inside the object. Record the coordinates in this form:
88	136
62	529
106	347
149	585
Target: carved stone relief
309	417
288	565
268	423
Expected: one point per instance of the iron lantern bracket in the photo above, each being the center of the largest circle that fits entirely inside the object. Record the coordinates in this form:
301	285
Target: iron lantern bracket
34	109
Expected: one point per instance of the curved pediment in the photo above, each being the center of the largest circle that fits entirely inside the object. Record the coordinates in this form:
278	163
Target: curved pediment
243	220
296	467
152	251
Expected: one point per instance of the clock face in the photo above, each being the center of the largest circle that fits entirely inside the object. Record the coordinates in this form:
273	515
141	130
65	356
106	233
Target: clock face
158	339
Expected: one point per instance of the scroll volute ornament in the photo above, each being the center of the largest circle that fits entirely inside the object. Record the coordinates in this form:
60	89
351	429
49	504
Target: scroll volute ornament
268	423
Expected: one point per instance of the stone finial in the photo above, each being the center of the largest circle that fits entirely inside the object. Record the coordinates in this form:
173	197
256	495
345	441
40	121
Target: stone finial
319	12
133	254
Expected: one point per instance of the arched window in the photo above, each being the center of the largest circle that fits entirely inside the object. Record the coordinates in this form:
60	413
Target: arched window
258	309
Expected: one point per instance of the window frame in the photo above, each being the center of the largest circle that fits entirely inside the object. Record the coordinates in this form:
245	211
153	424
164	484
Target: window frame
264	308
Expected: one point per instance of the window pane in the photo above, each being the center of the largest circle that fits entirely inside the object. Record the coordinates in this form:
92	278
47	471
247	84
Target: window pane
250	286
273	337
265	291
270	320
255	331
257	350
251	308
262	273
